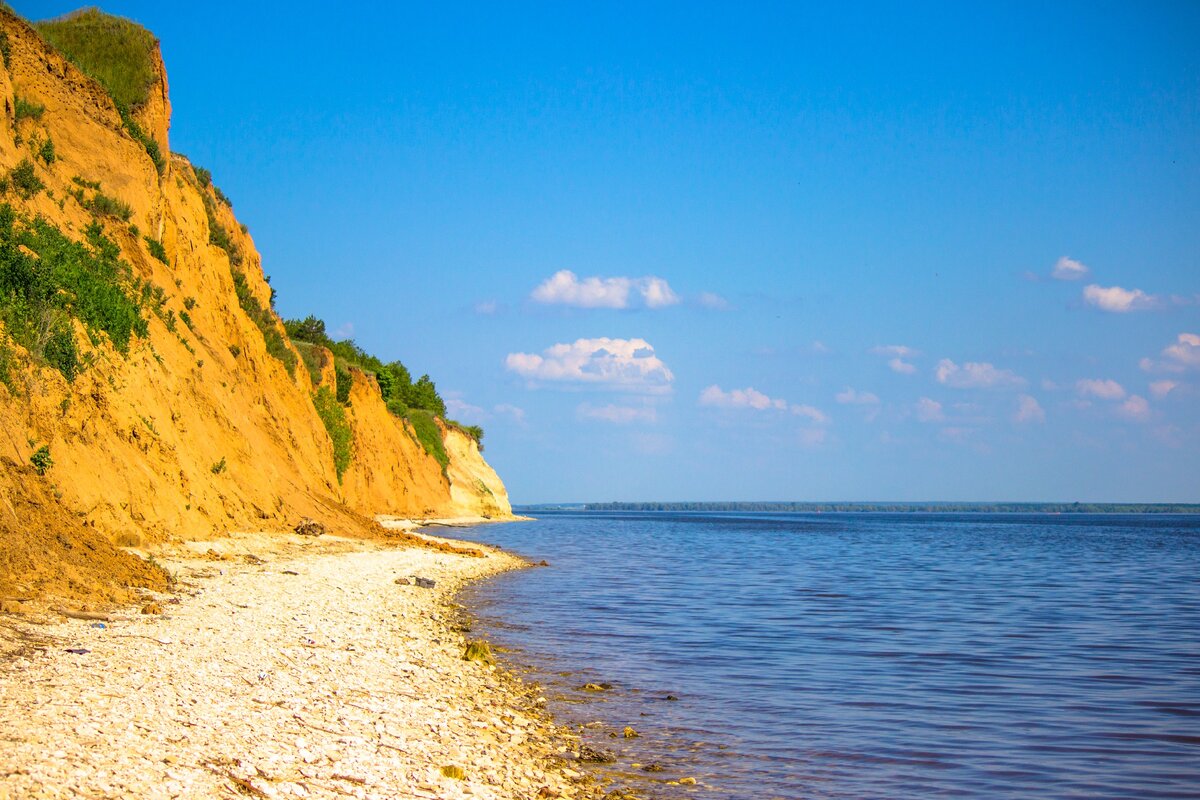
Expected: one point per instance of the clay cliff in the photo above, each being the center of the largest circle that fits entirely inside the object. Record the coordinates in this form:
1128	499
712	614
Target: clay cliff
178	408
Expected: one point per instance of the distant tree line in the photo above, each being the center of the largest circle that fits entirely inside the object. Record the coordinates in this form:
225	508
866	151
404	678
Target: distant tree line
988	508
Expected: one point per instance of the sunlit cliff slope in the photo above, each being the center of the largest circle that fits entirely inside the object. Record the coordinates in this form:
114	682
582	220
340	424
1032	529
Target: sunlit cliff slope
147	389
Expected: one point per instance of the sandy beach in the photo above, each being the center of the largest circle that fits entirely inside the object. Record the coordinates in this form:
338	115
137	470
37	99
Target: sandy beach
280	666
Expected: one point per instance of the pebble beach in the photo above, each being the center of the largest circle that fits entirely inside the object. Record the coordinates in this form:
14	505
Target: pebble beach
279	666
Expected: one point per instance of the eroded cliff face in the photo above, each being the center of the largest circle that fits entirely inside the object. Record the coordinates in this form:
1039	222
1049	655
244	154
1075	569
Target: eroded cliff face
198	429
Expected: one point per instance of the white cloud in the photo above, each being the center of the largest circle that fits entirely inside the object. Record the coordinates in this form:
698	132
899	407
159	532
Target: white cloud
1104	389
565	288
929	410
715	397
628	364
618	415
1068	269
1118	300
740	398
853	397
1028	410
976	375
344	332
487	307
898	353
898	350
713	301
460	409
513	412
1135	408
1186	350
1162	388
811	412
819	347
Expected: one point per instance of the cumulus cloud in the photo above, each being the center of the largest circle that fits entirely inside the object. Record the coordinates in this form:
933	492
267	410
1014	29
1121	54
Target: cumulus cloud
565	288
1162	388
1135	408
976	375
1118	300
459	408
1068	269
487	308
740	398
628	364
929	410
515	413
898	353
853	397
712	300
1104	389
1028	410
715	397
1185	352
1182	355
618	415
810	412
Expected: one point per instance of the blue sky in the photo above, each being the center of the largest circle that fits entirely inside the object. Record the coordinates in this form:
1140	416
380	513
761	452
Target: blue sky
881	252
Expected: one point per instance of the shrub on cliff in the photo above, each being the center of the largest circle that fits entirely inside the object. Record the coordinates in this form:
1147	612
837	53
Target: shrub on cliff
337	426
47	279
266	321
119	54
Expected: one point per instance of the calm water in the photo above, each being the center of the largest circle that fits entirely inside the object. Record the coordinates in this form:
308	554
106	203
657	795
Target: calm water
854	656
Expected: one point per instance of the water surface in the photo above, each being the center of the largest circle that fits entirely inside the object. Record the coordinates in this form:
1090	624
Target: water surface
866	655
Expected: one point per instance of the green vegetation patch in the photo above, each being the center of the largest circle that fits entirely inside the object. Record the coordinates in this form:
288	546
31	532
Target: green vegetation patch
156	249
47	280
116	52
428	434
333	415
23	180
266	321
313	358
102	205
24	108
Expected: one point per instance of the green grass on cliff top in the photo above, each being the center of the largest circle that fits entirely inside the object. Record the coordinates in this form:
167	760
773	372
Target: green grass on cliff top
117	52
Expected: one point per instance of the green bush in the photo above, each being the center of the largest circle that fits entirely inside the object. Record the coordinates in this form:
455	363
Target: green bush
313	359
186	317
218	467
429	435
7	362
234	350
93	185
26	109
156	249
344	381
218	235
104	206
41	459
116	52
46	152
203	176
266	321
5	49
61	280
24	180
333	415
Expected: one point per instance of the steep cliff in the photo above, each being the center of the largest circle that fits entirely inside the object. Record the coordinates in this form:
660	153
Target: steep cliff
167	395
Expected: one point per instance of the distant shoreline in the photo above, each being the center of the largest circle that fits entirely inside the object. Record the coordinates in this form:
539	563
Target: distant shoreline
892	508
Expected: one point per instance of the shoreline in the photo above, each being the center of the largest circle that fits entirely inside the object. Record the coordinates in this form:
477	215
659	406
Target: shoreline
281	666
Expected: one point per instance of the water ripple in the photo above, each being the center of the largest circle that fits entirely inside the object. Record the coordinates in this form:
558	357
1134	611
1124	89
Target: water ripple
863	656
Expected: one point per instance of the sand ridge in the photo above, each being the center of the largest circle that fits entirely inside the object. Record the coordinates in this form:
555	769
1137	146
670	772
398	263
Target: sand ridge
284	666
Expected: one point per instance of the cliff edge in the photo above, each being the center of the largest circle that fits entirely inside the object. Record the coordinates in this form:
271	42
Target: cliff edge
148	390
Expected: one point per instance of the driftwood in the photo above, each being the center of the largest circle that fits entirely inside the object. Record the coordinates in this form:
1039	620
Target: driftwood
93	615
